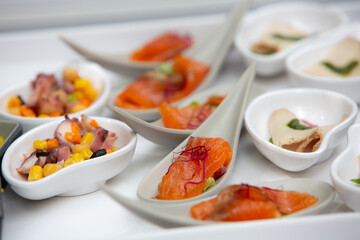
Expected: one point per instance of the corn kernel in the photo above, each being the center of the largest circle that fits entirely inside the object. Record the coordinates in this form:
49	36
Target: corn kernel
91	93
43	116
51	168
78	157
40	145
68	162
77	147
81	83
15	111
87	138
70	74
78	94
36	173
86	152
114	149
77	108
14	102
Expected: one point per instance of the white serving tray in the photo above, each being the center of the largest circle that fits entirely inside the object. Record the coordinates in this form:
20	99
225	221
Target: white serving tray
96	215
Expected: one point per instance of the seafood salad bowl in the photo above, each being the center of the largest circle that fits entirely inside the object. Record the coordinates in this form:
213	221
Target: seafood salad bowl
67	171
75	88
299	127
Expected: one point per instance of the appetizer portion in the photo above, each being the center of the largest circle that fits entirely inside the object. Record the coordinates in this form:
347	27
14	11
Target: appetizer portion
195	169
74	141
342	61
164	47
167	84
245	202
278	36
290	133
52	98
189	117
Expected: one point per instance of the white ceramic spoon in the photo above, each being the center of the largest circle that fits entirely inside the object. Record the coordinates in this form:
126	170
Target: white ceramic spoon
179	214
158	133
225	123
211	49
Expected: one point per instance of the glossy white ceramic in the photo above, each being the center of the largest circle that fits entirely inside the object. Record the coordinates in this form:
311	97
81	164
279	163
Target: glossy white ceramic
158	133
346	167
76	179
180	213
320	107
315	52
92	71
314	19
225	122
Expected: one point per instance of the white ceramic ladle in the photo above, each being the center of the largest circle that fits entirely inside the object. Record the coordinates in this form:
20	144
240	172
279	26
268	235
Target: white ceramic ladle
156	131
179	214
211	49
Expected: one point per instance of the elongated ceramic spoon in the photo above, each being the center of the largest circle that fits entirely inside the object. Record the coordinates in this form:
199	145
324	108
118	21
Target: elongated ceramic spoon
211	49
225	123
158	133
179	214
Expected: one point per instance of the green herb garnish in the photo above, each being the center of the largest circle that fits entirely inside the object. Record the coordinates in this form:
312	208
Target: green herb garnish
357	181
72	98
194	103
166	68
286	38
341	70
209	183
271	141
295	124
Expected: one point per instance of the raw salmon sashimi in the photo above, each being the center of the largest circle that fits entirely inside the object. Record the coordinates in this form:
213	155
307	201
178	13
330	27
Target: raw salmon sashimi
188	117
246	202
201	162
156	87
163	47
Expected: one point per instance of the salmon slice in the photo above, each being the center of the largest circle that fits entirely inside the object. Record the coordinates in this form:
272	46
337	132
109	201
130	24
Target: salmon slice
162	48
147	92
245	202
186	177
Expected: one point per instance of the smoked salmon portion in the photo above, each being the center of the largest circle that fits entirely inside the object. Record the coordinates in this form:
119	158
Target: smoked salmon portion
162	48
245	202
156	87
188	117
187	176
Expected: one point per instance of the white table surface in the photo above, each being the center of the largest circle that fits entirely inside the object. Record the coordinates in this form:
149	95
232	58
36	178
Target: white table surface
97	216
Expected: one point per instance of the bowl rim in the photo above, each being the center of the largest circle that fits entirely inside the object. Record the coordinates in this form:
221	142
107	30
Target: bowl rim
101	100
324	145
25	184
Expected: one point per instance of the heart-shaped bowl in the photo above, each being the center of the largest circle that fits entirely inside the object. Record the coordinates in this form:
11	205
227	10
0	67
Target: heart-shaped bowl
311	18
320	107
92	71
314	53
346	167
76	179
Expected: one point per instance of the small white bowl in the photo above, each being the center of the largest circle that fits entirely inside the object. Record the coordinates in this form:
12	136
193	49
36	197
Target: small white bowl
76	179
320	107
311	18
92	71
316	51
346	167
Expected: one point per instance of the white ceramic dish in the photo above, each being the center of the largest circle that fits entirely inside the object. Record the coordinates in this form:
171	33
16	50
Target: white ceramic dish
225	123
315	52
76	179
320	107
158	133
88	70
314	19
346	167
180	214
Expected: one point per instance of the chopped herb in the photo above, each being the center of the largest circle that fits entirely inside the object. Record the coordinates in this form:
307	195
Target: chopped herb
21	100
194	103
72	98
295	124
209	183
286	38
357	181
166	68
271	141
341	70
